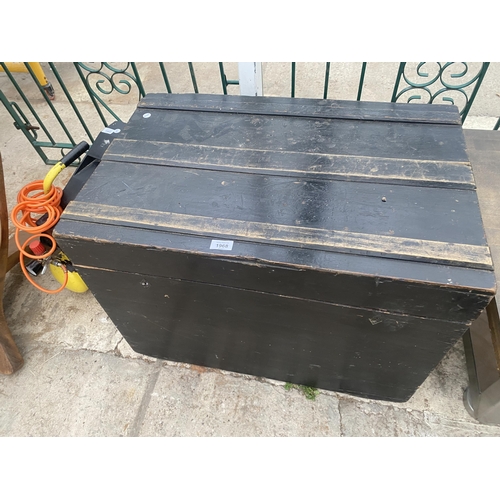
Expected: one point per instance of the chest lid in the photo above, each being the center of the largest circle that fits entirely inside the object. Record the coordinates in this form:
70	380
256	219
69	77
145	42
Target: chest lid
372	188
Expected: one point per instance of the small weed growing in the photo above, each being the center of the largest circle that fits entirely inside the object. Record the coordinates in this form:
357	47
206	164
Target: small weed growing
309	392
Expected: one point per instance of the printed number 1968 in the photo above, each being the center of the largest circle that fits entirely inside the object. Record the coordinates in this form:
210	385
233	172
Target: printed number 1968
221	245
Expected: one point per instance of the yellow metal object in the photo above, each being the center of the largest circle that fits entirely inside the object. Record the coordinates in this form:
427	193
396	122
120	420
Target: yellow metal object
75	282
52	174
19	67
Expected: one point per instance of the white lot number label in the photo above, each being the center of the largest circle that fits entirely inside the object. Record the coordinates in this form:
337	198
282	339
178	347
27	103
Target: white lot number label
221	245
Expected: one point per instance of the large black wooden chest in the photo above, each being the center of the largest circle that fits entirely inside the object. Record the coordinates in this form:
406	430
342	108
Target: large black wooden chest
327	243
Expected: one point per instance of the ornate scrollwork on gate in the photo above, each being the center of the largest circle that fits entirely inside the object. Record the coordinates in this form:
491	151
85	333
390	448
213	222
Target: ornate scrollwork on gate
102	79
452	82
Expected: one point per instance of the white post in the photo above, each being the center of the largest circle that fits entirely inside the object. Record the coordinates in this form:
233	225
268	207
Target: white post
250	78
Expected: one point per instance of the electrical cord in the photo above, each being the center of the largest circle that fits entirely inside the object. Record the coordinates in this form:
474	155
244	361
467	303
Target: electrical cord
32	200
42	199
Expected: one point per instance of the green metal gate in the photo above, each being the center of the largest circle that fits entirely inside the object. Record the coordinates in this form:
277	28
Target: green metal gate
89	96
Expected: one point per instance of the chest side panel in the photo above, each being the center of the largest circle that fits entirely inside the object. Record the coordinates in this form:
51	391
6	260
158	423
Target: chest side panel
368	353
307	275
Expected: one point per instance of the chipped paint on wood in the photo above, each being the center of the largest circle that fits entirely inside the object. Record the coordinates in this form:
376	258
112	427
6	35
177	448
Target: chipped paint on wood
338	241
410	172
304	108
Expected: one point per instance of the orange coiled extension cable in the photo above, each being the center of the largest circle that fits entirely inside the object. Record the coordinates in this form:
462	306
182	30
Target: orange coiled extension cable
31	200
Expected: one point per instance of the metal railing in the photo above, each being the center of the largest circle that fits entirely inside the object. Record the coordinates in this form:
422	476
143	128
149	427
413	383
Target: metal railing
93	92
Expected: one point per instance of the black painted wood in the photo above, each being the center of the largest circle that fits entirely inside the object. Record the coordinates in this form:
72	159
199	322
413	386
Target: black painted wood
307	166
306	342
408	211
305	108
357	254
124	251
379	139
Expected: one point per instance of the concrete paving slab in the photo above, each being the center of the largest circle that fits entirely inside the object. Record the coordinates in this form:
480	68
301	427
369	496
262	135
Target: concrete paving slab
72	393
441	426
480	122
343	80
124	350
207	75
442	391
374	419
71	320
20	161
202	402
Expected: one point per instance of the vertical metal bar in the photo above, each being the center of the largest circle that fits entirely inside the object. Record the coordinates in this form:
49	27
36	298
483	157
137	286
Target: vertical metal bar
138	80
223	78
361	81
193	77
94	100
51	106
26	101
21	126
482	73
327	78
497	125
70	99
165	77
398	79
293	79
250	78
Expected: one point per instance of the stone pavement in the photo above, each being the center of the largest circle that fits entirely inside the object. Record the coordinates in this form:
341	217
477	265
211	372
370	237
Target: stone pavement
82	379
